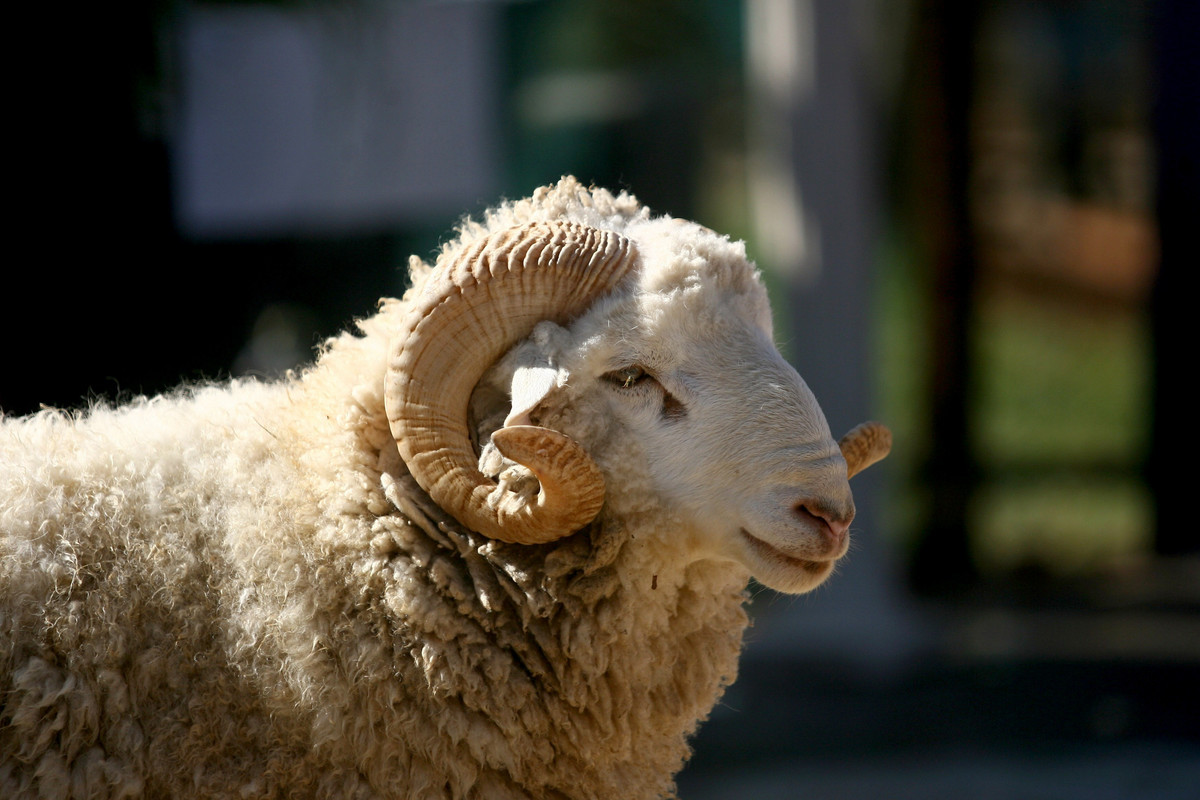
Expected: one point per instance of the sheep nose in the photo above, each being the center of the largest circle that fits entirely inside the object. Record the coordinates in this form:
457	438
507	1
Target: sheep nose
834	524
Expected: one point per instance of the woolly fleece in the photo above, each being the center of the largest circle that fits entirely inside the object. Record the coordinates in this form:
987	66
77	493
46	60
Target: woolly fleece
238	591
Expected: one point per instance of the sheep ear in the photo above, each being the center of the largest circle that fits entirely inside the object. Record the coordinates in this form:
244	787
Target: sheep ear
535	374
530	386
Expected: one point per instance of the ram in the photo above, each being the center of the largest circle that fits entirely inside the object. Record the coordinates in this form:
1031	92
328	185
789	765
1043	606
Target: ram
495	545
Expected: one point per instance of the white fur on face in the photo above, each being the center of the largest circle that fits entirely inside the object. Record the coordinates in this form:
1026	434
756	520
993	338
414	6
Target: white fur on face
676	389
735	442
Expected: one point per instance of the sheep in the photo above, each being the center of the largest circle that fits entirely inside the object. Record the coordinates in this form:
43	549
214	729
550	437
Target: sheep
496	544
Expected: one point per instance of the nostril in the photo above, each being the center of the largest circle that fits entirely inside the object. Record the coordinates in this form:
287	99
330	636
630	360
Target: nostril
837	523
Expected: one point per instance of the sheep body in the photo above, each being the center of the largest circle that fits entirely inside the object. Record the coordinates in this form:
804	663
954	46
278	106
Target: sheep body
240	590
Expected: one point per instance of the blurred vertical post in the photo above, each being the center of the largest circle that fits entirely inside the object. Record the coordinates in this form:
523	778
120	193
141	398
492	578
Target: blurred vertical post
812	132
1176	123
943	56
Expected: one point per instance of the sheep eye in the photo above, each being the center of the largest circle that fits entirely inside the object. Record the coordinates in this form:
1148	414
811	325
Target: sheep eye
627	377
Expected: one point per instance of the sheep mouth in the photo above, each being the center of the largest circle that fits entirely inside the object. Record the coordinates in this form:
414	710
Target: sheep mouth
774	555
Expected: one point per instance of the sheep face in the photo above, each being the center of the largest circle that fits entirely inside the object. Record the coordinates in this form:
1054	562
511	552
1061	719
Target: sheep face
673	386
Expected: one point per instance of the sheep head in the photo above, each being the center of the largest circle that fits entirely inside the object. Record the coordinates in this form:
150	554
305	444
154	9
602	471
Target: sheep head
641	358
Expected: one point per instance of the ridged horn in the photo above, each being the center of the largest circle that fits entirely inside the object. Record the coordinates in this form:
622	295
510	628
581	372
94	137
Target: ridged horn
475	307
863	445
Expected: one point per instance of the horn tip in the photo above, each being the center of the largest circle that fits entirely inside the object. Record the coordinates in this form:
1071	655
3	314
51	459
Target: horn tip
864	445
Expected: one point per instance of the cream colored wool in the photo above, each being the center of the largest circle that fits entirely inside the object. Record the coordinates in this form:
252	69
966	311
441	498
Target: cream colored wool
239	591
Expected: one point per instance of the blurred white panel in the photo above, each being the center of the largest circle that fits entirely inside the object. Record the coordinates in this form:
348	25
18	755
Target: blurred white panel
333	118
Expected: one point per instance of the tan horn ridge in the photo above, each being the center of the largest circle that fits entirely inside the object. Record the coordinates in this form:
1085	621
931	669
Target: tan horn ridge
476	306
864	445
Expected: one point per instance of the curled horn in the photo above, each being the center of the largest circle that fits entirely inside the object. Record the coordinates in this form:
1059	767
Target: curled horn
864	445
476	306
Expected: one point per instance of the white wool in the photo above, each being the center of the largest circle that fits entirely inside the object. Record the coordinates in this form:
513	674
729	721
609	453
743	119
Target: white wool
239	590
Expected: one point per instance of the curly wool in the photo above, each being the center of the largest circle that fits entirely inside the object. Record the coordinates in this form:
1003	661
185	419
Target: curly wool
239	591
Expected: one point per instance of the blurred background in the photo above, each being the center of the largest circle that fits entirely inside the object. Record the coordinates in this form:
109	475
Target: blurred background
974	220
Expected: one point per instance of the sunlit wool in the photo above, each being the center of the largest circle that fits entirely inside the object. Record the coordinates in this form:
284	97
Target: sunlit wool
241	591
